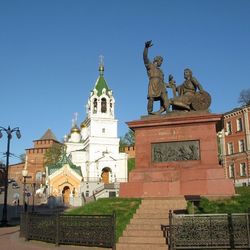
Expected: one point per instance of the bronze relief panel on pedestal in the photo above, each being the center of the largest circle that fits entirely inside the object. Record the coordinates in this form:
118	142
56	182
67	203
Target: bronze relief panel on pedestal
175	151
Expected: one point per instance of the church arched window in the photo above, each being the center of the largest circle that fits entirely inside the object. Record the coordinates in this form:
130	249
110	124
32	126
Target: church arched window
103	105
111	106
95	105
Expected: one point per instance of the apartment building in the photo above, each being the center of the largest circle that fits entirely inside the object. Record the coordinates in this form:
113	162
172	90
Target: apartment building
235	145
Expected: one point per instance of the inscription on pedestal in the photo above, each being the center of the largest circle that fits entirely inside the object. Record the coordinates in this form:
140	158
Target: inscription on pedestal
175	151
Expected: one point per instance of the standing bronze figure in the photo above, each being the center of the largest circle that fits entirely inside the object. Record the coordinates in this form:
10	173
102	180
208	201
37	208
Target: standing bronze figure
156	85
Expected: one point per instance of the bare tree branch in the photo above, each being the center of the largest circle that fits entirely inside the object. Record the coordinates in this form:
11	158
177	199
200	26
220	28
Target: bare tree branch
244	98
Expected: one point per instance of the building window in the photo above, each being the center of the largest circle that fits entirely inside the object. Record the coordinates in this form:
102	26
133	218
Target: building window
230	148
103	105
239	124
241	146
229	128
95	106
231	171
243	169
111	106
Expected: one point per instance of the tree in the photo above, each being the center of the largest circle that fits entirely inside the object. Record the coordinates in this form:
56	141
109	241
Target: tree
128	139
53	154
244	98
131	164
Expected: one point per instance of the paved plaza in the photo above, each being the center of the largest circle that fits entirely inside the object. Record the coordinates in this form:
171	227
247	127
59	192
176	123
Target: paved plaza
9	236
9	240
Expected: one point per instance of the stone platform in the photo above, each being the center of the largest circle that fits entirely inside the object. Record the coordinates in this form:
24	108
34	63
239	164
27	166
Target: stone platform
176	155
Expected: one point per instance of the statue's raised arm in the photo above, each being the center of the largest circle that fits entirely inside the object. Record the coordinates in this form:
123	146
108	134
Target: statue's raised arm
146	60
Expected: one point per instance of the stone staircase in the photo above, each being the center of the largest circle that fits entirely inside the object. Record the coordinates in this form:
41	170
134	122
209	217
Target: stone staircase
144	231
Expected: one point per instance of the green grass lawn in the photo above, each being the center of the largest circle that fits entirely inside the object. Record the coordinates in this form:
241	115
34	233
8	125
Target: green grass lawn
123	207
131	164
237	204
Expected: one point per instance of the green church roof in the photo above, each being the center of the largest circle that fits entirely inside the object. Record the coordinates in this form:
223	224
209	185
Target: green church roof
64	159
101	83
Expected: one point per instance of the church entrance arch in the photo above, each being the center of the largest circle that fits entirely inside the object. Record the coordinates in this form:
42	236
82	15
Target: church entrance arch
105	175
66	195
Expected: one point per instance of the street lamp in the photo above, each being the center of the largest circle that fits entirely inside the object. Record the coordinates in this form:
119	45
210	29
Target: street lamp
9	132
33	197
25	175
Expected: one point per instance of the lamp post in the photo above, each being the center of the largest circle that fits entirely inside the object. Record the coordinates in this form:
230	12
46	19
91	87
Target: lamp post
25	175
33	197
9	132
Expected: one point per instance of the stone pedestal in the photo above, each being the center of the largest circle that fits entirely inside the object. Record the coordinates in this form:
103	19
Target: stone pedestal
176	155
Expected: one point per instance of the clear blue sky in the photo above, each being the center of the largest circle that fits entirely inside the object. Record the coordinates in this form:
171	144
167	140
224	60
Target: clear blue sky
49	54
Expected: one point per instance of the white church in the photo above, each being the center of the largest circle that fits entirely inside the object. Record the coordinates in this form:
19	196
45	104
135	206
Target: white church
92	166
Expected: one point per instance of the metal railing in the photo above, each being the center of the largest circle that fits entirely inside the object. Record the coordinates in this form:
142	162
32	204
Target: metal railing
99	190
84	230
208	231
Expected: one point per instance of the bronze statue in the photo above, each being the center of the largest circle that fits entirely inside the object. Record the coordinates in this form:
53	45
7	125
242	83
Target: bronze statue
171	84
156	85
188	98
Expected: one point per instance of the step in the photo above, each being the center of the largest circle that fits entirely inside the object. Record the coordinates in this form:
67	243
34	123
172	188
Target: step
149	221
145	210
140	215
163	207
144	240
142	233
166	199
144	227
164	202
124	246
